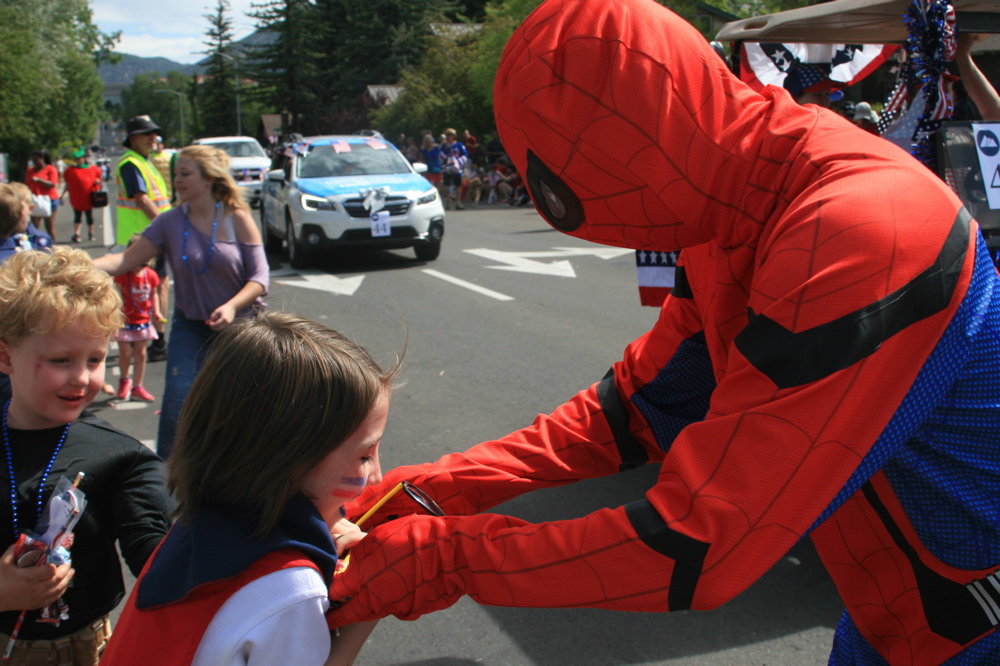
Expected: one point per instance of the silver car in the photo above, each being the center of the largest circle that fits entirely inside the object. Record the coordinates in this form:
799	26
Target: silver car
247	162
358	192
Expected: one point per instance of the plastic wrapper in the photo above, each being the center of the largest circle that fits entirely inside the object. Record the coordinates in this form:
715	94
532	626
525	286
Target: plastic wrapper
49	543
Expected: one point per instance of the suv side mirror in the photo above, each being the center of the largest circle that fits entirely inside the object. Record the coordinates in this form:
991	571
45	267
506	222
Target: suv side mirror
277	175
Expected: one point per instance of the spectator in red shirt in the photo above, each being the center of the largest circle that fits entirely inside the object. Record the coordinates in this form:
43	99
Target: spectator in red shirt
471	144
82	178
42	178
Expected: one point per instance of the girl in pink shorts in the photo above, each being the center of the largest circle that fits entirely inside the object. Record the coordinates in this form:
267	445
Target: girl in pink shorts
141	305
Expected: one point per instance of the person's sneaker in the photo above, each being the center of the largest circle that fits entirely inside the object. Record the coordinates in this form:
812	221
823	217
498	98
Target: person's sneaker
124	388
90	236
157	350
139	393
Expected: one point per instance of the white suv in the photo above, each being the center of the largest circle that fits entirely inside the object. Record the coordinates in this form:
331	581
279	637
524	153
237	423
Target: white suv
247	162
357	192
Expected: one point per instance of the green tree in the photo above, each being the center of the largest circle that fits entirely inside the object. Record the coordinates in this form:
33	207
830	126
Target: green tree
438	93
372	42
285	68
217	93
501	21
162	99
52	96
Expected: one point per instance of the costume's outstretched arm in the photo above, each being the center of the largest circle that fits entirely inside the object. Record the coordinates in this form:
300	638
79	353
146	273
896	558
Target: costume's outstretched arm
600	431
419	564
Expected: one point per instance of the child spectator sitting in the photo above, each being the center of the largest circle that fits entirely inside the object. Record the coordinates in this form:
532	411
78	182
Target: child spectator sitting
57	315
500	188
17	233
16	230
141	308
472	184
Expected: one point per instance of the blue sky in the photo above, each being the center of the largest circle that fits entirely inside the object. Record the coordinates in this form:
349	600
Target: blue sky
172	29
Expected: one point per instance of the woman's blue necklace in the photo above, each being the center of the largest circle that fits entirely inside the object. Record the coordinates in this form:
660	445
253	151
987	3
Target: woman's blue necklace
10	472
211	242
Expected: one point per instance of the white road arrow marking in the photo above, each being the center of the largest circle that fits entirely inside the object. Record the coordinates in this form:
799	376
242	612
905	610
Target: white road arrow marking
524	262
321	281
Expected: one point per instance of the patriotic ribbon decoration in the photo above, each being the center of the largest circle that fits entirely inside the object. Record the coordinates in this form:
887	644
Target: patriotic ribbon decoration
799	67
924	78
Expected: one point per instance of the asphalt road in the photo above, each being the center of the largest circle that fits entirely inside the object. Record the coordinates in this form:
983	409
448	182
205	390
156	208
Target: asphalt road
494	336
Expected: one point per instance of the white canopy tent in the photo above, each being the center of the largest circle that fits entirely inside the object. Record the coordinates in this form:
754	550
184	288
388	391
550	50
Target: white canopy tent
853	21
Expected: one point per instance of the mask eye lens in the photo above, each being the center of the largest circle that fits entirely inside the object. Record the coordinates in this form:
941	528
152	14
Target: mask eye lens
555	204
556	201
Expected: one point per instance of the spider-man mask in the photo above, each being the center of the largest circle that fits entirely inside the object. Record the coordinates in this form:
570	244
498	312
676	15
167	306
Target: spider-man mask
630	130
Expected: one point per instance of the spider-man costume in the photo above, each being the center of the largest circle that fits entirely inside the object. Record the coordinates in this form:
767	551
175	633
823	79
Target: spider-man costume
827	364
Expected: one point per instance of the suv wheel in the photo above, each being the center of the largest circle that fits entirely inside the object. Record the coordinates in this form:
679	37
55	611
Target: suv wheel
429	249
296	250
272	243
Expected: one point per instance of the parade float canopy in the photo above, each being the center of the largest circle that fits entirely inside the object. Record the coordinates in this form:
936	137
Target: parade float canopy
857	21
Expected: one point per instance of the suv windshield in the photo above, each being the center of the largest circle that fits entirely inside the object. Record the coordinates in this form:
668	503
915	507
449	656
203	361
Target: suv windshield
240	148
354	159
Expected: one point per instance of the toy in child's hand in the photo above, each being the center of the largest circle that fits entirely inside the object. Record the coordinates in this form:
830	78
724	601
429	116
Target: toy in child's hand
50	544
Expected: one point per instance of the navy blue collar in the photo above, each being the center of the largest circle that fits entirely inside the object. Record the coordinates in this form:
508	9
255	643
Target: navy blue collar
217	545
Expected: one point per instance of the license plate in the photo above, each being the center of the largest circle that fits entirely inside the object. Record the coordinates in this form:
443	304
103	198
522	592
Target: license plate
380	224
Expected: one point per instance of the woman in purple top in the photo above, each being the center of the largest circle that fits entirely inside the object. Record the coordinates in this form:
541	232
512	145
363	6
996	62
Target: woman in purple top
220	271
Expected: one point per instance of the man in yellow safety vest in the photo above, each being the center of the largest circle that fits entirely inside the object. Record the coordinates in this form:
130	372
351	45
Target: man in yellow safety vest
142	195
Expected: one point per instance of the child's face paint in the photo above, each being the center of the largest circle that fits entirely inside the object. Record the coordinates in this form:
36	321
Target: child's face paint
350	487
349	468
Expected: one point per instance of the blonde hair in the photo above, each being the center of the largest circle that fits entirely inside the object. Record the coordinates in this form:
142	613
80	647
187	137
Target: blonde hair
213	163
42	292
11	207
275	396
23	191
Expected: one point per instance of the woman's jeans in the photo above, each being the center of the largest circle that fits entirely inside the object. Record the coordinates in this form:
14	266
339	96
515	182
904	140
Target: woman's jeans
186	351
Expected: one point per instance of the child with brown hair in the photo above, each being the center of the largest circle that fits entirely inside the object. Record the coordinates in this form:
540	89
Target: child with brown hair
57	315
142	308
281	428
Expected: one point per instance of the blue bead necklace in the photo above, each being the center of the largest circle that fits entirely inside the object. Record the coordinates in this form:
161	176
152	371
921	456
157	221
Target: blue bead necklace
10	472
211	242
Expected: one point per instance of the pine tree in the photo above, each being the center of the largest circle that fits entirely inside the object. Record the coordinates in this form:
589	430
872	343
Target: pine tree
372	42
217	92
285	68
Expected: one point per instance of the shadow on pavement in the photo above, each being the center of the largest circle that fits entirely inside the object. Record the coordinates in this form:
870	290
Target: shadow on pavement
795	596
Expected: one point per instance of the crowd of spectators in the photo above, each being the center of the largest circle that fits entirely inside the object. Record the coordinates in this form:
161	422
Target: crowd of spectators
485	177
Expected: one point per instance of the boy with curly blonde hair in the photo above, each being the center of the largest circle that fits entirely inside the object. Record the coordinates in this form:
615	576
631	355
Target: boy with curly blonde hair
58	313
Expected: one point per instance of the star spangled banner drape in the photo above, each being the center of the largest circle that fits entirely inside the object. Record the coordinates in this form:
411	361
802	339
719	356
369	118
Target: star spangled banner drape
764	64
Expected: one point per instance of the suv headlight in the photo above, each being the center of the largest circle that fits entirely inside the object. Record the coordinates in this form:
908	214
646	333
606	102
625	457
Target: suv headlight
309	202
427	198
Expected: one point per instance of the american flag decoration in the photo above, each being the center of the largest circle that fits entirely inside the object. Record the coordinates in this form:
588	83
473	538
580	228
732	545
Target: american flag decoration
655	271
341	146
799	67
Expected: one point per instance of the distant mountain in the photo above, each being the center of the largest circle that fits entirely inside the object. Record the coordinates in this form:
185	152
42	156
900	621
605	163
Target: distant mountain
131	66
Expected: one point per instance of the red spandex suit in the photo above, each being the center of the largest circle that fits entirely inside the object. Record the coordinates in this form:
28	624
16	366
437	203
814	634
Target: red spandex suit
826	365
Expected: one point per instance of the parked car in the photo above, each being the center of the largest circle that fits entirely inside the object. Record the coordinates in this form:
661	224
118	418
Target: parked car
337	192
247	161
